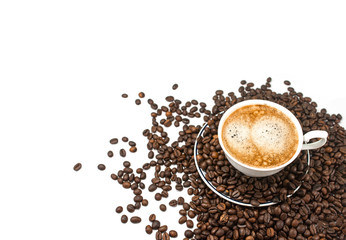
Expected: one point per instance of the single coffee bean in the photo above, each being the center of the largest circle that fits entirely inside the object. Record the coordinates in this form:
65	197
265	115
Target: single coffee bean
165	236
124	95
141	95
132	143
113	141
138	101
286	82
138	198
152	217
163	228
189	224
125	139
182	220
173	203
189	234
130	208
180	201
101	167
270	232
175	86
173	234
77	167
163	207
119	209
124	219
155	224
126	185
148	229
145	202
133	149
158	196
110	154
122	152
114	176
135	219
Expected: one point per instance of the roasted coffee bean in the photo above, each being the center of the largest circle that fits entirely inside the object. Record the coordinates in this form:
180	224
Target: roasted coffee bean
152	217
158	196
101	167
124	95
132	143
135	219
138	102
163	228
110	154
188	234
182	220
77	167
286	82
141	95
113	141
155	224
138	198
124	219
130	208
122	152
148	229
114	176
175	86
173	234
145	202
163	207
133	149
125	139
189	224
173	203
180	201
119	209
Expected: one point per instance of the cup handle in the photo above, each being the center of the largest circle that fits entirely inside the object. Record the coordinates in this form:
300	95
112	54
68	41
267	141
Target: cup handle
314	134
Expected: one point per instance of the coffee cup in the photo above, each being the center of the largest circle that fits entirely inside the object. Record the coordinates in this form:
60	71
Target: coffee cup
262	140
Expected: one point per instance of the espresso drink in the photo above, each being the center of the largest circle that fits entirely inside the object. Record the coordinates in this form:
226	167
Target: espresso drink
260	136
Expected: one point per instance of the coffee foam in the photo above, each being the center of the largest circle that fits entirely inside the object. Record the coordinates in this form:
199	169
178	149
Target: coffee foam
260	136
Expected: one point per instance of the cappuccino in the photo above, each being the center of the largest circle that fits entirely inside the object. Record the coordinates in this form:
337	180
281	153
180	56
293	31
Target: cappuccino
260	136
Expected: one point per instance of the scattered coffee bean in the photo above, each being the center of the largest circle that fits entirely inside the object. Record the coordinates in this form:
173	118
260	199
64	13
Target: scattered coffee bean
138	102
287	82
163	207
155	224
173	203
152	217
124	95
175	86
188	234
158	196
148	229
119	209
135	219
77	167
110	154
133	149
173	234
114	176
124	219
125	139
122	152
141	95
101	167
145	202
130	208
113	141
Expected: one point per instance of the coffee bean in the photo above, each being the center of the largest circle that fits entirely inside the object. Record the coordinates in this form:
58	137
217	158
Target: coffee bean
113	141
145	202
122	152
101	167
188	234
133	149
130	208
124	219
189	224
173	234
286	82
152	217
125	139
77	167
119	209
114	176
163	228
175	86
292	233
173	203
270	232
138	102
148	229
141	95
170	99
182	220
158	196
155	224
124	95
163	207
132	143
110	154
135	219
138	198
180	201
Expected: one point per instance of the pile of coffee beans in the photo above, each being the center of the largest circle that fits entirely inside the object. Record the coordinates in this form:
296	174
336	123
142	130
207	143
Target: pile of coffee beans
315	211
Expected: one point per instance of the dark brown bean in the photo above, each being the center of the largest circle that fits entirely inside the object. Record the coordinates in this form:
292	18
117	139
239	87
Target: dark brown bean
141	95
113	141
122	152
163	207
124	219
77	167
110	154
175	86
101	167
124	95
135	219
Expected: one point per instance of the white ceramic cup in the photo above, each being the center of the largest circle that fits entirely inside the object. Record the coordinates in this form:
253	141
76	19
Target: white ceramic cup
302	141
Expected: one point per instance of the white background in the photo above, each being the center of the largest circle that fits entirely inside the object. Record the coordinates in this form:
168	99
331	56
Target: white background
64	65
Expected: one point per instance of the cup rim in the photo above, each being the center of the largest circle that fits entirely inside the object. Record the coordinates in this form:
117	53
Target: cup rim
268	103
